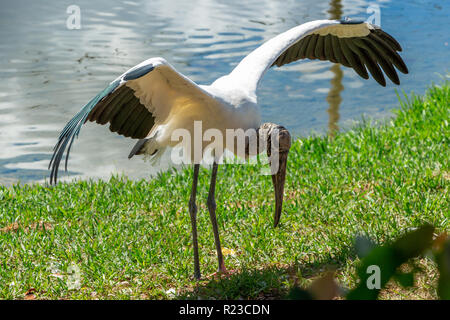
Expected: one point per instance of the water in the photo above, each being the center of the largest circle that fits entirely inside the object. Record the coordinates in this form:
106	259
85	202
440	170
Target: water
49	72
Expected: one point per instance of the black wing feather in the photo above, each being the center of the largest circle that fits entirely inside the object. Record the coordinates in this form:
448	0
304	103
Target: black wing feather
115	104
72	129
371	51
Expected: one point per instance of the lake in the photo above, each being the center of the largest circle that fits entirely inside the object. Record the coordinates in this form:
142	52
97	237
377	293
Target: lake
49	72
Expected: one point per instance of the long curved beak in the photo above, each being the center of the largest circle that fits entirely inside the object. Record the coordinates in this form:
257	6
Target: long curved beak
278	180
278	138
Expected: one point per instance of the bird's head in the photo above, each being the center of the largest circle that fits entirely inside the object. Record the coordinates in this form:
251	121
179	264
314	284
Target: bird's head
278	142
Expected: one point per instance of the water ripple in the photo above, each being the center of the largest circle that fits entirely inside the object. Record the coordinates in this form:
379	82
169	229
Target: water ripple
51	72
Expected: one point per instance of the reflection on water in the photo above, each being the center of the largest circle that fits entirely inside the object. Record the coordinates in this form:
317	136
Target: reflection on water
50	72
334	98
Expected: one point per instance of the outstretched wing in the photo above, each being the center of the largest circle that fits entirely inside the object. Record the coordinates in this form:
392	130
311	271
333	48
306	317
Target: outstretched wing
358	45
132	105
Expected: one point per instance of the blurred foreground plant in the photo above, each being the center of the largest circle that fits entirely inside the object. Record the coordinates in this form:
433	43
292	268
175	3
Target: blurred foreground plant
380	264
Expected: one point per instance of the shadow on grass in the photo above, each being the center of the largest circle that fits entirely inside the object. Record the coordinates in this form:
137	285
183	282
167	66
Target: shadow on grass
268	283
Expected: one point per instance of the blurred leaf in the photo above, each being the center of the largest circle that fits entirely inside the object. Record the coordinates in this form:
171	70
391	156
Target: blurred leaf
388	258
324	288
363	246
405	279
439	242
443	262
414	243
299	294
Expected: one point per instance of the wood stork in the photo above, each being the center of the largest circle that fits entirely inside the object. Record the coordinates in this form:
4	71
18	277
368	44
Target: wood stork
151	100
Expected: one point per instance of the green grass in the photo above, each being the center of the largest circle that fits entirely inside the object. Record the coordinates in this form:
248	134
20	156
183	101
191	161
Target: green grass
132	239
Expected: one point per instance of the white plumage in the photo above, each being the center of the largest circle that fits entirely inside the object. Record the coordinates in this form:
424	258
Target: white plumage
151	100
174	101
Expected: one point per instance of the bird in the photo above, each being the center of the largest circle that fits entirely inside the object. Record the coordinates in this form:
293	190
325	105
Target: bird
150	101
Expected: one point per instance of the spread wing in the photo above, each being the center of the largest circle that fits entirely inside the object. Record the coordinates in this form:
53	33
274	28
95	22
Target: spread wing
358	45
131	104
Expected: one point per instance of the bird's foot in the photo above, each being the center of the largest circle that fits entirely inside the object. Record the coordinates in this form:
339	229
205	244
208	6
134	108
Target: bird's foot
223	272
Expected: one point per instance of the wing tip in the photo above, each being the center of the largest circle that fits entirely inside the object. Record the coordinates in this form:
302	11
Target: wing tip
72	129
138	72
348	20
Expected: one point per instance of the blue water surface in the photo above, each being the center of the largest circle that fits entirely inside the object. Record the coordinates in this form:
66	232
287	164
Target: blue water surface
49	72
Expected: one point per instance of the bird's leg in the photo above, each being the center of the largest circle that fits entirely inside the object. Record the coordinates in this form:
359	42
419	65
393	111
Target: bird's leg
193	214
212	214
